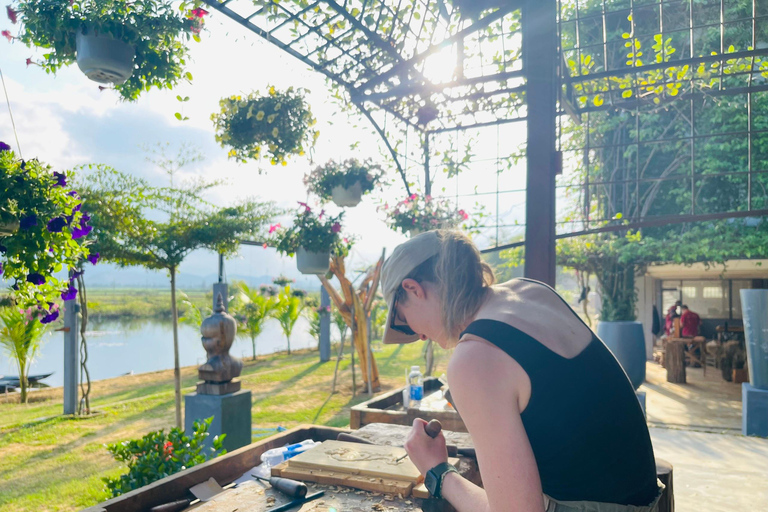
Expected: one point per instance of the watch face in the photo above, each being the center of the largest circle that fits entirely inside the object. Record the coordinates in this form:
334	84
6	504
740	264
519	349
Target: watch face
430	482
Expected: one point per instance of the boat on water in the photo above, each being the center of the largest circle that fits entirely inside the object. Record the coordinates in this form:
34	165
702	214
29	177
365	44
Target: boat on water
8	383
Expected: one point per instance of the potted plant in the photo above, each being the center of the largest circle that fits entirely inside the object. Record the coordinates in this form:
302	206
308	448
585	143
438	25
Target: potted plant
50	235
345	182
133	44
275	126
417	214
312	238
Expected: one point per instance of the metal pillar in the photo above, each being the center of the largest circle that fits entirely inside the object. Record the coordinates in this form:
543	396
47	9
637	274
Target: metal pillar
325	326
71	356
221	287
539	29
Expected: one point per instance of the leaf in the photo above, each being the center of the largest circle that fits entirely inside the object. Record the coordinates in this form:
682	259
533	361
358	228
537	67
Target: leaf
627	93
626	35
597	100
188	75
178	115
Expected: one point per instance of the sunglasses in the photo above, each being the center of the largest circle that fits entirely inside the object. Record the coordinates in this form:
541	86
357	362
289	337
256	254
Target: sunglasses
405	329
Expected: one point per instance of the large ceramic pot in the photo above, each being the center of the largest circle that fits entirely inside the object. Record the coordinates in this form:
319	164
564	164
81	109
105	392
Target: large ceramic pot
313	262
347	196
754	309
104	59
627	342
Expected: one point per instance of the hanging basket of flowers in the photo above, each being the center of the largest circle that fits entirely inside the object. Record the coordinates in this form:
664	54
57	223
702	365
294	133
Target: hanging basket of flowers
417	214
311	237
274	126
134	44
345	182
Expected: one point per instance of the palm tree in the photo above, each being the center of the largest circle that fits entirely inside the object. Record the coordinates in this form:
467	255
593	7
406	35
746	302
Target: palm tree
252	308
288	312
21	335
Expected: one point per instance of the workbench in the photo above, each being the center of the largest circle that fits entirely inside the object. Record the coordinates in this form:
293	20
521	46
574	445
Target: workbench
258	497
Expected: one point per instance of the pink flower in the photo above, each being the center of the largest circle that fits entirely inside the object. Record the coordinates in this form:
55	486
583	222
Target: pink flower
265	245
346	240
413	196
428	198
305	205
29	61
463	214
7	35
386	206
11	14
322	212
198	13
273	228
336	227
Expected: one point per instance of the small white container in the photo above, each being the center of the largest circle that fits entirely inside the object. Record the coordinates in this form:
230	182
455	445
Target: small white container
345	197
313	262
104	59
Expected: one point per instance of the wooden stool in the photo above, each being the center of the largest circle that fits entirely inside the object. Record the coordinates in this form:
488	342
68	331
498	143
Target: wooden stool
664	473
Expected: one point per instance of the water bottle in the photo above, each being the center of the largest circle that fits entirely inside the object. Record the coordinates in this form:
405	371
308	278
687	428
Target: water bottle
416	385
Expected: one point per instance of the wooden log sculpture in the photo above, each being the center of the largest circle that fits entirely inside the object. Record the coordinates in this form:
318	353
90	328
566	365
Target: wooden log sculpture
355	307
674	359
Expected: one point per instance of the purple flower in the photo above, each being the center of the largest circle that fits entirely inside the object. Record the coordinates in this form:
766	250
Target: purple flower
35	279
56	224
336	227
1	268
80	232
28	221
93	258
4	146
3	249
61	179
69	294
50	317
75	275
72	193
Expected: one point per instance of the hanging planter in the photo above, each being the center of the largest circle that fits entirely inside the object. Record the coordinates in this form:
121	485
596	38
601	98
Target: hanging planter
133	44
274	126
104	59
309	262
313	238
417	214
345	182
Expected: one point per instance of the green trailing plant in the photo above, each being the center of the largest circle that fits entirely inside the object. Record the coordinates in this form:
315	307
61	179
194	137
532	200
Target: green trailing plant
345	174
160	454
315	233
273	126
282	281
21	335
287	313
48	232
423	213
158	32
254	308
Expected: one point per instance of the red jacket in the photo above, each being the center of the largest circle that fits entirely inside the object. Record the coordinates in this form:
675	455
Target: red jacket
690	322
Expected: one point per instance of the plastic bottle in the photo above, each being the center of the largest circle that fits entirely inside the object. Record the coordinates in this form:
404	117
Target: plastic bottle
416	385
275	456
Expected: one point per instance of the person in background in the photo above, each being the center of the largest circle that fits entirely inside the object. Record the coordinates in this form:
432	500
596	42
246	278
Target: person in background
669	320
689	325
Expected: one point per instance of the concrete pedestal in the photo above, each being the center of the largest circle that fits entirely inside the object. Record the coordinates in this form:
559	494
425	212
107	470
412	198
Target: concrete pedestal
754	411
231	415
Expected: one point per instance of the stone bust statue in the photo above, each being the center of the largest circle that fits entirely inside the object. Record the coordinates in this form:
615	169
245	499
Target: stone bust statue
218	332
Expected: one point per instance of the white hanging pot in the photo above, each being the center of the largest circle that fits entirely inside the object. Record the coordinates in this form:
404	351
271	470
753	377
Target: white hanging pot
313	262
347	196
9	227
104	59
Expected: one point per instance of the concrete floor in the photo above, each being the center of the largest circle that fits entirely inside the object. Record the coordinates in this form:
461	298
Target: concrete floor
697	427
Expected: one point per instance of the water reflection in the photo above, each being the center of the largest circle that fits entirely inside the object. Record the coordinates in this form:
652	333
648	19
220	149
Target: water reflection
120	347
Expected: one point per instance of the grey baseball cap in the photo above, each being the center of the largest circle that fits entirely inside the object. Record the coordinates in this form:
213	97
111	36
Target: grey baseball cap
404	259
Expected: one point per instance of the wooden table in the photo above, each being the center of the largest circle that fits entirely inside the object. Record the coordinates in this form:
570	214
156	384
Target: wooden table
254	497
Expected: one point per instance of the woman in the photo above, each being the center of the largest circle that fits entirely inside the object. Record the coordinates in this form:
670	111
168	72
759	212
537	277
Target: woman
554	419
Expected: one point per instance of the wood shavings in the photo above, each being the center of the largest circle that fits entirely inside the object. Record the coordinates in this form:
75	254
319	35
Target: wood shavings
271	501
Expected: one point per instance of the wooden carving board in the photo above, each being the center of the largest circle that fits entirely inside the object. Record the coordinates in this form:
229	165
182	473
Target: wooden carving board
358	459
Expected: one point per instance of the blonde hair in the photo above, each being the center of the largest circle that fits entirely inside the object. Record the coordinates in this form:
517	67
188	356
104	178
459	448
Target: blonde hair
461	276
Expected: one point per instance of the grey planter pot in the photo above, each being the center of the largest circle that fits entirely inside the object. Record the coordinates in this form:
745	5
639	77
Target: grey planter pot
347	197
754	309
104	59
313	262
627	342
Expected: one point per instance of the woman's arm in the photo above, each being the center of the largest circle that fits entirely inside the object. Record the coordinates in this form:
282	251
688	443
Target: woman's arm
483	382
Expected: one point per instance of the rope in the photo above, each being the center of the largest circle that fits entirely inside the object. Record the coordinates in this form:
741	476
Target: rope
10	113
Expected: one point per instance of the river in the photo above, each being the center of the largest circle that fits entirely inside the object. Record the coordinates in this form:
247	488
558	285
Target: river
118	347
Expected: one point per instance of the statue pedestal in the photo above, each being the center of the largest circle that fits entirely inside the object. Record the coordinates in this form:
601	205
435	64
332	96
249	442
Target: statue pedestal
231	415
224	388
754	411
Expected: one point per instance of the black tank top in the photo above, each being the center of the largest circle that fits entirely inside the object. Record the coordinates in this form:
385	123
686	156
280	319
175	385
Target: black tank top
584	421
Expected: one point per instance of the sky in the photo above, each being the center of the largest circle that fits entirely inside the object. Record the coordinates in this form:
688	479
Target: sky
66	121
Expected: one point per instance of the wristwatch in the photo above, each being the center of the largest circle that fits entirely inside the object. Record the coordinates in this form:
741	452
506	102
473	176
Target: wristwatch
434	478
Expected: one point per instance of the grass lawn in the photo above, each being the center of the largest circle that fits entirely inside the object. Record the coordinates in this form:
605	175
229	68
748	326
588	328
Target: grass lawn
51	462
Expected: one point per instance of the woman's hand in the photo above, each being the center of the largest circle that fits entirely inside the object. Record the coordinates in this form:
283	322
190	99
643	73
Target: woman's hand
424	451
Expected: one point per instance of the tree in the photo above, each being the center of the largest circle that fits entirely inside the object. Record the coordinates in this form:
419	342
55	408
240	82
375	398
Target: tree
171	222
287	312
21	334
252	309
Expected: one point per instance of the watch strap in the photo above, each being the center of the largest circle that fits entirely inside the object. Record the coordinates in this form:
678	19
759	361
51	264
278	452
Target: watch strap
439	472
